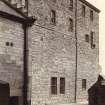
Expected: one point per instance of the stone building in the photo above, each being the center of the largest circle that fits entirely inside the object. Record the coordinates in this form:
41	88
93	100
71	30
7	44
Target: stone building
49	50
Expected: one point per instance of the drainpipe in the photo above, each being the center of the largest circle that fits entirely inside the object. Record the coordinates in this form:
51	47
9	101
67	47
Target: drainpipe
25	65
76	46
26	25
25	57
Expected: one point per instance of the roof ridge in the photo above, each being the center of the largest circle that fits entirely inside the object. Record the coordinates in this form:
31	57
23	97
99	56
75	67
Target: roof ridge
90	5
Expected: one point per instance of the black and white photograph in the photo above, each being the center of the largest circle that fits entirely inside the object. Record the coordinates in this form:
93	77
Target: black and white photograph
52	52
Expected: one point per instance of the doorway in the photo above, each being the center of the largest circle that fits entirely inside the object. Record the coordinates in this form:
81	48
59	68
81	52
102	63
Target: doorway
4	93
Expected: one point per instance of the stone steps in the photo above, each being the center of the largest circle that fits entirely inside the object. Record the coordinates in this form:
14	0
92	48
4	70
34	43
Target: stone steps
19	4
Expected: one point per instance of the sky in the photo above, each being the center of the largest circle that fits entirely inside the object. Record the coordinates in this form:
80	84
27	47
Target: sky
100	4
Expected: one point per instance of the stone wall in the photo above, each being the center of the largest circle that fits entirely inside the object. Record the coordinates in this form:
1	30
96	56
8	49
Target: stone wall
88	58
11	55
52	51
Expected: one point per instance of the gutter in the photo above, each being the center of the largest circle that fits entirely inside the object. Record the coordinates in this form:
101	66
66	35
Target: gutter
26	23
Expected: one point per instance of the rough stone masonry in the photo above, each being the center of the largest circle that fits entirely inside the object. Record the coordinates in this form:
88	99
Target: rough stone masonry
63	44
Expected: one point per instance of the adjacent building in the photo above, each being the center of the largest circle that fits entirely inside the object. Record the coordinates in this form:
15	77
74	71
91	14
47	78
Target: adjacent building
58	60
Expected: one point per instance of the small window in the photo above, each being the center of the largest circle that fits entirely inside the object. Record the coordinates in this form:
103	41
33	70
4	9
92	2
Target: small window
84	84
11	44
71	25
54	85
62	85
71	5
87	38
92	40
83	10
53	17
91	15
7	43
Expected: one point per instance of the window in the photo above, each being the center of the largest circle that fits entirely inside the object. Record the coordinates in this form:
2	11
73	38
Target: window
62	85
91	15
71	5
53	17
83	10
87	38
92	40
54	85
11	44
71	25
84	84
7	43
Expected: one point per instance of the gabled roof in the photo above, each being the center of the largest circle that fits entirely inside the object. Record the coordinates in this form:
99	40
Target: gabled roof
10	12
90	5
10	6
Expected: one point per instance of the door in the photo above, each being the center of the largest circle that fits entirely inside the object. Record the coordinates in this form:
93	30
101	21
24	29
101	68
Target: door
4	94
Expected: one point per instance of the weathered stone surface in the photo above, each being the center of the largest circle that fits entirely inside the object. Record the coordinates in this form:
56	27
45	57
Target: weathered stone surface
11	70
52	52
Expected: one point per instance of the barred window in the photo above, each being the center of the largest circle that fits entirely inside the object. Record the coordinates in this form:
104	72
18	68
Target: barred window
71	25
83	10
92	40
91	15
54	85
84	84
62	85
87	38
53	17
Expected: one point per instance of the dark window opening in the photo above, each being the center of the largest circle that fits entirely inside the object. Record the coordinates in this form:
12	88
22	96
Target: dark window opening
87	38
92	40
83	10
62	85
53	17
54	85
11	44
7	43
71	5
91	15
71	25
84	84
